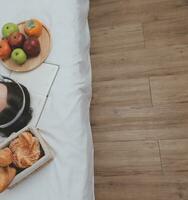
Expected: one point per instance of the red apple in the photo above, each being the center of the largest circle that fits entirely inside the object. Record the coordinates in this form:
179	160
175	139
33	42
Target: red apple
32	47
16	40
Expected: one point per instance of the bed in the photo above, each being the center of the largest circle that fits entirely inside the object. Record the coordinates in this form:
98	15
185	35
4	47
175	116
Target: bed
65	118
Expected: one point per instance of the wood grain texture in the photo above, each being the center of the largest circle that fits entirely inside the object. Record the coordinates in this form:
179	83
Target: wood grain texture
166	32
174	155
132	92
139	111
142	187
122	37
140	63
169	89
114	123
127	158
114	12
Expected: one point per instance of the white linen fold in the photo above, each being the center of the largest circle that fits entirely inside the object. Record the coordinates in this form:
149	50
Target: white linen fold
65	119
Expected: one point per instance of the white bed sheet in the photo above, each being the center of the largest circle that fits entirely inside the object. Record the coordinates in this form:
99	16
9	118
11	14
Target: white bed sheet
65	119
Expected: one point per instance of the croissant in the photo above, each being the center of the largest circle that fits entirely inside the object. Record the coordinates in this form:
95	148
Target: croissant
7	174
25	150
5	157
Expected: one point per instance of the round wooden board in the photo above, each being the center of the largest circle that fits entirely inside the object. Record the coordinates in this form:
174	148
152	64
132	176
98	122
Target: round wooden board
32	63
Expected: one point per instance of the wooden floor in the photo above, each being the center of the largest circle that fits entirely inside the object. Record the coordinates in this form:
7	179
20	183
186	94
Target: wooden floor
139	110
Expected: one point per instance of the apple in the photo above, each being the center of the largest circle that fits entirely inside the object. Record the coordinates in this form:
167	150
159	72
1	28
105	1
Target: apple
16	39
9	28
5	49
19	56
32	47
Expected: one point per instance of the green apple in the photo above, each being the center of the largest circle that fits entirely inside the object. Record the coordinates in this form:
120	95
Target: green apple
19	56
9	28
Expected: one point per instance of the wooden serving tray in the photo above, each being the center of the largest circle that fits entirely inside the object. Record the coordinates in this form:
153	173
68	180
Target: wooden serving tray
32	63
46	158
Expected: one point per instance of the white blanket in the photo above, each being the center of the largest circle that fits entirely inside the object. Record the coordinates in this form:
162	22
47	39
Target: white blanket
65	119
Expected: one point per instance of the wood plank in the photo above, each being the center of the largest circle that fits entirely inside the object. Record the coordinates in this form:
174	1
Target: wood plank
142	187
105	13
127	158
122	133
174	155
166	33
169	89
123	124
140	63
132	92
123	37
115	12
